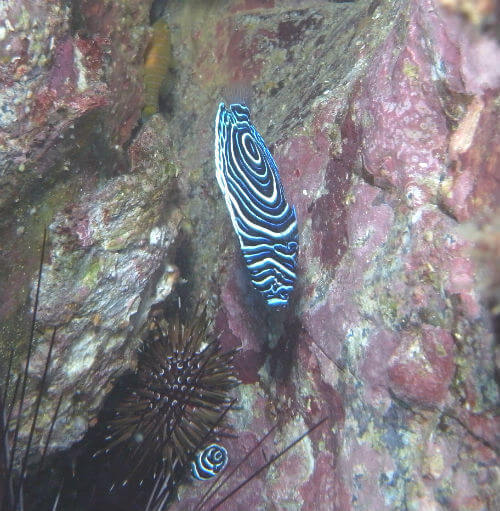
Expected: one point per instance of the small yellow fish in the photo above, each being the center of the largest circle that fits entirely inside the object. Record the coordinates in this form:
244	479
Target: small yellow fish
157	61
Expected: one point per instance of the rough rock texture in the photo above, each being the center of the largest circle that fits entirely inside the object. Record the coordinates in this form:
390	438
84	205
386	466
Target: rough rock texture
71	94
383	119
108	265
64	71
65	113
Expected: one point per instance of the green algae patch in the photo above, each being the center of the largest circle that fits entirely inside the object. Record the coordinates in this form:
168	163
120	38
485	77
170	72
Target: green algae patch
410	70
91	275
115	244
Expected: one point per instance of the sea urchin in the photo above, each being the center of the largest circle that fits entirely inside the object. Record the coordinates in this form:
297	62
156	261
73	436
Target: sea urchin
177	400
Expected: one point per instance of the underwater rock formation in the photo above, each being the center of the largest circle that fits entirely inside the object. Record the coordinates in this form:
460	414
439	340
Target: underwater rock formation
107	265
383	119
71	94
71	80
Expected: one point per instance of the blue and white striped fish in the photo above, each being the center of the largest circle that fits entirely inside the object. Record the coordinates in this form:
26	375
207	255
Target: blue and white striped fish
265	224
209	462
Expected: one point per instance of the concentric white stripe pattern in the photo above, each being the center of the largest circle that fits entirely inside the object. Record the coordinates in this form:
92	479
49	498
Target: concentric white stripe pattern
265	224
209	462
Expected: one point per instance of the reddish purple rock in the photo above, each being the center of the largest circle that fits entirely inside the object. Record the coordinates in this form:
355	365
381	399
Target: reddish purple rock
381	158
383	119
421	367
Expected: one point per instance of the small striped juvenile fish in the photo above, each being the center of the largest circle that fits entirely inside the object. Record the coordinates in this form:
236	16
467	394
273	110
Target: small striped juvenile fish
158	59
209	462
265	224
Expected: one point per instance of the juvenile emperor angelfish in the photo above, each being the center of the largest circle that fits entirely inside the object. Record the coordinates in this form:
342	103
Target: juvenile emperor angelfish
265	224
209	462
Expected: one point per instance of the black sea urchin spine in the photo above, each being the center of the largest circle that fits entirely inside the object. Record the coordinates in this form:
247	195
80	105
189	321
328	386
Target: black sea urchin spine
177	401
12	481
216	487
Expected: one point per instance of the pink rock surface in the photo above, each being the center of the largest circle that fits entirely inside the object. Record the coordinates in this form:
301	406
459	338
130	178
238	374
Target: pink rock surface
67	106
383	119
56	78
382	161
421	367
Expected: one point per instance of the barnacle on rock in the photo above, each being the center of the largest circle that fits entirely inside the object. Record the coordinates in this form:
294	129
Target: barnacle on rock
177	401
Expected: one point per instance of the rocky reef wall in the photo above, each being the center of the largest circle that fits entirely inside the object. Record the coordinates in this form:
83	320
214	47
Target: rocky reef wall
383	118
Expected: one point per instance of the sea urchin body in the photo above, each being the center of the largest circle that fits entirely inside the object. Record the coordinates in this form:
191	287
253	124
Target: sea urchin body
178	399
